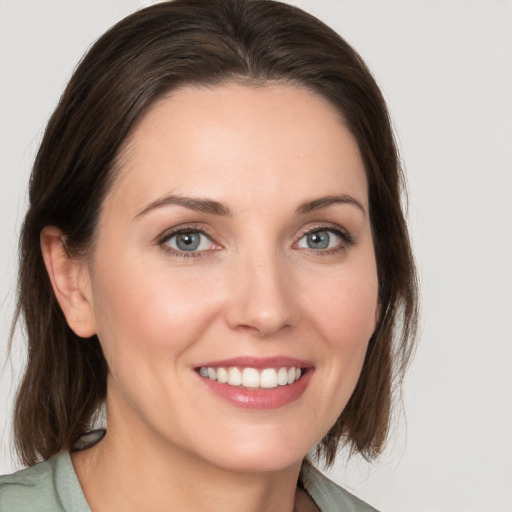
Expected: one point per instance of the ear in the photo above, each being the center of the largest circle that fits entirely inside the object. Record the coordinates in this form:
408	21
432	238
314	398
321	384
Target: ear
71	282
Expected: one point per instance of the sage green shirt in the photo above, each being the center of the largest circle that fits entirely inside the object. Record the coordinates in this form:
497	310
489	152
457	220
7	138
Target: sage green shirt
53	486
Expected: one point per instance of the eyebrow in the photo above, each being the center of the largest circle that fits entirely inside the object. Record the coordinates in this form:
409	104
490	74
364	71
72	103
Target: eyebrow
215	208
324	202
197	204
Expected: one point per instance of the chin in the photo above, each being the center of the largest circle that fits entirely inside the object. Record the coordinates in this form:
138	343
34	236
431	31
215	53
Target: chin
258	463
261	454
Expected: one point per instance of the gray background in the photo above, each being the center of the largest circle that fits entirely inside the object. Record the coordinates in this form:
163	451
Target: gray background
445	69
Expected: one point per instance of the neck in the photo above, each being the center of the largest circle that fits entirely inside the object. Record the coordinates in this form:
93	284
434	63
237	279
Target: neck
129	470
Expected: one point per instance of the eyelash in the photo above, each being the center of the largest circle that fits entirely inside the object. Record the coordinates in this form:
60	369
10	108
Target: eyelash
346	238
162	241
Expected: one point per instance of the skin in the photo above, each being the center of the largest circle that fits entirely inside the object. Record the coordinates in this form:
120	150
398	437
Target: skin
257	289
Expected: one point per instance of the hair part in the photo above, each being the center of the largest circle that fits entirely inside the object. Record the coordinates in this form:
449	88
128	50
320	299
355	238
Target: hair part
137	62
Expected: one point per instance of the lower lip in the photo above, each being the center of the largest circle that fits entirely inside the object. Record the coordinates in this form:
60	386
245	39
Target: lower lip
270	398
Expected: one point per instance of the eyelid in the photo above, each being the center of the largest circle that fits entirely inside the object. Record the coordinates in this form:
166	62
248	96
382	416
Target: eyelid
344	233
347	239
187	228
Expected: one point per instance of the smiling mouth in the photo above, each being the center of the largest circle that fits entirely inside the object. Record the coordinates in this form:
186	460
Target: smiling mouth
253	378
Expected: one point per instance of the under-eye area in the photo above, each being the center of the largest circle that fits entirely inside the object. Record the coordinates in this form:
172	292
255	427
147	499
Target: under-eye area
253	378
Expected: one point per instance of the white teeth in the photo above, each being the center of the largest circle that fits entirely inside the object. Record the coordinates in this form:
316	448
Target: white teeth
222	375
234	377
250	378
282	376
266	378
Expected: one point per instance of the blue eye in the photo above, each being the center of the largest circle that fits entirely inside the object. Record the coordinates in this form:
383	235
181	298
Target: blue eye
320	240
189	241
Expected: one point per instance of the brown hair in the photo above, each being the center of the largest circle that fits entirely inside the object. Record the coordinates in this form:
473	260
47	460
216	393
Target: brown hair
142	58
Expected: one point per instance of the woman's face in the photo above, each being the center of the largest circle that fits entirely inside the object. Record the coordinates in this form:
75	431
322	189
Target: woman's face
235	244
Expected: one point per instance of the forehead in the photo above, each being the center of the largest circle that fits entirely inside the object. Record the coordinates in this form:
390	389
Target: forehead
240	143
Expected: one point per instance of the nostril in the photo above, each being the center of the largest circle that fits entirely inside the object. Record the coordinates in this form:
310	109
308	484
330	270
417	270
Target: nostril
261	303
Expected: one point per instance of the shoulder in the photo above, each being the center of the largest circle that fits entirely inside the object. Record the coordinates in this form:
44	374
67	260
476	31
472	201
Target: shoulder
45	487
329	496
30	488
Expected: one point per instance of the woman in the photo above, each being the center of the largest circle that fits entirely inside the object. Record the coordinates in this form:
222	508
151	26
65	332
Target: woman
215	248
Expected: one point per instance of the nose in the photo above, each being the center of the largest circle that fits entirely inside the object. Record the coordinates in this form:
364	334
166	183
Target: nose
263	299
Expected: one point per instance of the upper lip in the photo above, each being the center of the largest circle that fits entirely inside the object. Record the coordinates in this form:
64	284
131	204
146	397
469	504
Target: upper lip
258	362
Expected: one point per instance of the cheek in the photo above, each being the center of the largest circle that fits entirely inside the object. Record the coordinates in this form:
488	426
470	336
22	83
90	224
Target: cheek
142	310
346	307
344	314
